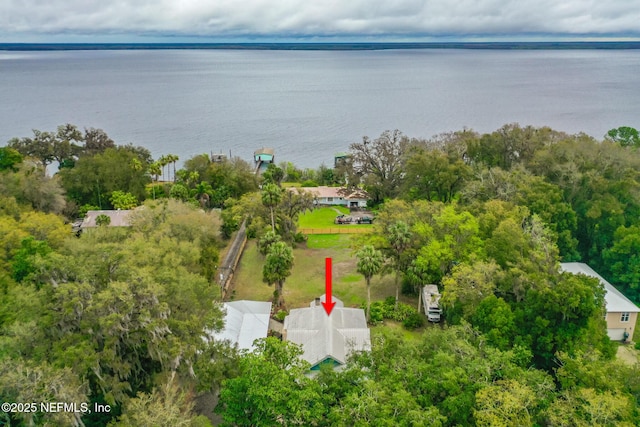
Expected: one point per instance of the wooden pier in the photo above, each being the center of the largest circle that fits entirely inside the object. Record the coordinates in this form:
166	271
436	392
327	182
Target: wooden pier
263	156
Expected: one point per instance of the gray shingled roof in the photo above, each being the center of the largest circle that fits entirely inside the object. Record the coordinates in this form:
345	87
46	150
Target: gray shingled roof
245	322
328	337
616	302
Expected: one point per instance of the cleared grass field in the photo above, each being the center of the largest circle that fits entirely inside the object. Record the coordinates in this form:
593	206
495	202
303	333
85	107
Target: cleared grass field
321	221
328	241
320	217
307	280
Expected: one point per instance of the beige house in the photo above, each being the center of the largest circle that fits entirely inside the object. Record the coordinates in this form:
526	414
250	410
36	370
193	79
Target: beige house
621	312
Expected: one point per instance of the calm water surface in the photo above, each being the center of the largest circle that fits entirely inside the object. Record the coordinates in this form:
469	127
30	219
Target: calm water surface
310	104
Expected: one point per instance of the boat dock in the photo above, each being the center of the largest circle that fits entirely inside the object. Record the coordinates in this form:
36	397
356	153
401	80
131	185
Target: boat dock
263	156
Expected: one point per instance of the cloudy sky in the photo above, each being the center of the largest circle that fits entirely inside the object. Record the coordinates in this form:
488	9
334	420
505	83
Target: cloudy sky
321	20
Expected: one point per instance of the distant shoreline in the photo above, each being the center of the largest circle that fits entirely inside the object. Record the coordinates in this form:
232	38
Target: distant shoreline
321	46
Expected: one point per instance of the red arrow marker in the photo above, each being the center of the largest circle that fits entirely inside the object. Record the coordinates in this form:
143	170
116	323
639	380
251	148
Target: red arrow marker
328	303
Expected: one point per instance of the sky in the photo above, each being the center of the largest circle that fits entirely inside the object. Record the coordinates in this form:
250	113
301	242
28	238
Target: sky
33	21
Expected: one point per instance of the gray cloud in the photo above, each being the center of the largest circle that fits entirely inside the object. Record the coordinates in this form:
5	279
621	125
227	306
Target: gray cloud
302	18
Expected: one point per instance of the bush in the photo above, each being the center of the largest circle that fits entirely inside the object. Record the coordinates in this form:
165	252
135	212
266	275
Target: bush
156	191
82	210
376	315
413	321
280	315
404	313
179	191
309	183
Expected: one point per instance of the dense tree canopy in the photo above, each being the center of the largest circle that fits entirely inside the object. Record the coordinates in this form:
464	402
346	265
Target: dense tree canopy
112	309
118	315
93	179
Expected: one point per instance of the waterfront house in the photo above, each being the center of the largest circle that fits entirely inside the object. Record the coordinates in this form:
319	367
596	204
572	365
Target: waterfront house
337	196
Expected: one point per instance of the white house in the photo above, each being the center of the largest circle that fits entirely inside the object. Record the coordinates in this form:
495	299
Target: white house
327	338
621	312
337	196
245	322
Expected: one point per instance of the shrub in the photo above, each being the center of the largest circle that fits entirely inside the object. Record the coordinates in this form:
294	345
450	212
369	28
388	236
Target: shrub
413	321
280	315
404	313
377	312
82	210
179	191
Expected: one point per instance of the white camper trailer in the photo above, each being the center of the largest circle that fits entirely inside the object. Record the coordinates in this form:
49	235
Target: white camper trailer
431	298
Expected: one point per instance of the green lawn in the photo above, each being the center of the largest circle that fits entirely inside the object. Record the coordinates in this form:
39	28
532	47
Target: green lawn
393	327
307	280
321	217
328	241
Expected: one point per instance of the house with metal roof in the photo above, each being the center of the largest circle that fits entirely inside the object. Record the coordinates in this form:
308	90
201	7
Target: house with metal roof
327	339
621	312
244	322
336	196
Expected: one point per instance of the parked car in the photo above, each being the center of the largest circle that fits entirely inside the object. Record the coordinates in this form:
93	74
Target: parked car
365	220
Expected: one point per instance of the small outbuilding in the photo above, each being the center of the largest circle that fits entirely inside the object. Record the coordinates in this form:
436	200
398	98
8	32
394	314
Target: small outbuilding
621	312
264	155
327	339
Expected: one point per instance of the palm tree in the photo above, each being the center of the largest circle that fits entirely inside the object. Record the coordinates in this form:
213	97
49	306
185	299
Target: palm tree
155	170
173	158
418	275
399	238
370	261
271	196
163	161
277	268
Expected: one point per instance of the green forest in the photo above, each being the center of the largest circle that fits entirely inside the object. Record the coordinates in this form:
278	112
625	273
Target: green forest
115	318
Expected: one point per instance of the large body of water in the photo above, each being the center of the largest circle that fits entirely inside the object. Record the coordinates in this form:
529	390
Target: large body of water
310	104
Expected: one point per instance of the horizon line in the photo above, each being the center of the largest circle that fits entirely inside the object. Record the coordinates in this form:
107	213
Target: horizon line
320	45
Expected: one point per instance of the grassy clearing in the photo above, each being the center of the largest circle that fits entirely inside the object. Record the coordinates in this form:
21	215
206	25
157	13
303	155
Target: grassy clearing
328	241
396	328
307	280
627	354
321	217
